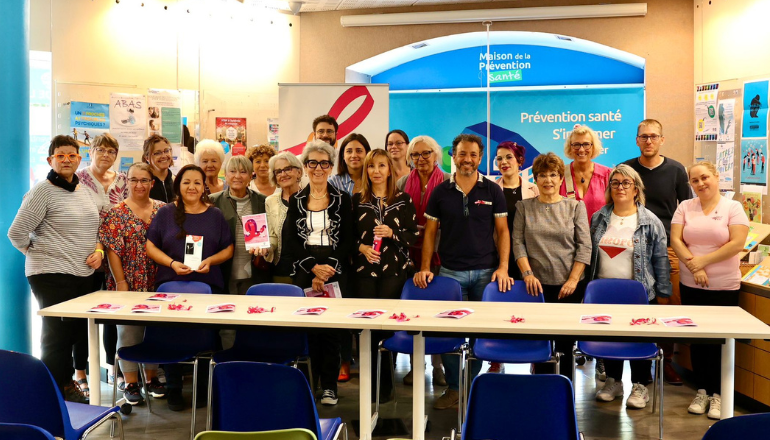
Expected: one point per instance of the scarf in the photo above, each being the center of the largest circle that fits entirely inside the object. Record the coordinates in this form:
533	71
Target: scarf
57	180
412	187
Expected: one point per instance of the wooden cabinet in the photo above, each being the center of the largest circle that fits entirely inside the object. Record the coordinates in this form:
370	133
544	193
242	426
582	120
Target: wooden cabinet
752	359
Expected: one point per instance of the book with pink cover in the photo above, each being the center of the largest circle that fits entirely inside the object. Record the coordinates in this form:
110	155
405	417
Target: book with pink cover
255	232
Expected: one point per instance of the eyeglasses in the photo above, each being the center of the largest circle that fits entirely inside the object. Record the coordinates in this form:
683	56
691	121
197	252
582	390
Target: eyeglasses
323	132
313	164
577	145
288	169
425	155
108	151
72	157
625	184
134	181
161	152
649	137
397	143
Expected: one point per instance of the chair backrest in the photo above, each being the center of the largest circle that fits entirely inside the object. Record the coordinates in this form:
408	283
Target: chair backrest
281	434
184	287
31	395
16	431
275	289
440	289
498	408
741	427
254	396
614	291
518	293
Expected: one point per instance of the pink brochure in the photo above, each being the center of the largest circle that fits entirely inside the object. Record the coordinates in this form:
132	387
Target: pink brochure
455	313
106	308
678	321
596	319
163	297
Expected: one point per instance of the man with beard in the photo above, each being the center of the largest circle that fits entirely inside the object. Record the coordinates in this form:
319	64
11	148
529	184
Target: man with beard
469	209
325	129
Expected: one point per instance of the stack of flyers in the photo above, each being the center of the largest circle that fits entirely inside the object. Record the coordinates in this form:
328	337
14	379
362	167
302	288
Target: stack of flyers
369	314
105	308
255	232
596	319
455	313
678	321
310	311
145	308
163	297
218	308
193	251
331	290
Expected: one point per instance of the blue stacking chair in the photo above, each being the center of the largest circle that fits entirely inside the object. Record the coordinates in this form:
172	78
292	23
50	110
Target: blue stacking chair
616	291
32	398
16	431
440	289
172	345
511	351
750	426
255	396
499	408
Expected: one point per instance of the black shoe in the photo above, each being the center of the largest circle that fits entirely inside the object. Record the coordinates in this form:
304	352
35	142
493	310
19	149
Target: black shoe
156	389
133	394
175	400
73	393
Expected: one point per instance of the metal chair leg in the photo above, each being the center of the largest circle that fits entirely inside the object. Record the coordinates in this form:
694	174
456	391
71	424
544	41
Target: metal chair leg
660	363
212	364
114	396
194	398
575	352
144	385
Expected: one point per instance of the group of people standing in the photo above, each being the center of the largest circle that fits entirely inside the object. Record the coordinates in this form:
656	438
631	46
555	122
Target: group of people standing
369	219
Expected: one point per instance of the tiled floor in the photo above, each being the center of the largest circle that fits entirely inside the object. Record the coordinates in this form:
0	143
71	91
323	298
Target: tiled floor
596	420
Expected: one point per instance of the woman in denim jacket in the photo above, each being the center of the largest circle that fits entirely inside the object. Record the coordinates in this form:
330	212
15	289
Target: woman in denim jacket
629	242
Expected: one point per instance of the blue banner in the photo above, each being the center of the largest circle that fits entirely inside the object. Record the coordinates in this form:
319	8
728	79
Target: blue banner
755	109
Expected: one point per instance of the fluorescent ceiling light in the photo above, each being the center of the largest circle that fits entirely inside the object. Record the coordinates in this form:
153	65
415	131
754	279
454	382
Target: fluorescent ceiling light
509	14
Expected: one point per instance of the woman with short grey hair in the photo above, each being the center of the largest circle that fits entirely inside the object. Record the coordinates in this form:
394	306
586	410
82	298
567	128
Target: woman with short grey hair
209	155
320	147
285	174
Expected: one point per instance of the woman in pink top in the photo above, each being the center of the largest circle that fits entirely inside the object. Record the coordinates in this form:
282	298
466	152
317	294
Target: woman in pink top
707	233
585	179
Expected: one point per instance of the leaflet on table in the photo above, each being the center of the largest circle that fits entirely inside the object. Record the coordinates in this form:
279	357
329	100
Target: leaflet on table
146	308
193	251
255	232
218	308
331	290
310	311
455	313
106	308
368	314
596	319
163	297
678	321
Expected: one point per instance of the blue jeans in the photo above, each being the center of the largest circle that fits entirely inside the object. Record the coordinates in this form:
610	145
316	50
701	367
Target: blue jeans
472	283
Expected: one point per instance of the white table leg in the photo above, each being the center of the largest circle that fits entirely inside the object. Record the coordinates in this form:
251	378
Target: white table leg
365	384
94	381
418	388
728	378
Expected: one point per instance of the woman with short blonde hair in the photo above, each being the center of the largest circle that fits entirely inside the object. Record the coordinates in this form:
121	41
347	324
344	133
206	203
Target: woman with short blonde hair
585	179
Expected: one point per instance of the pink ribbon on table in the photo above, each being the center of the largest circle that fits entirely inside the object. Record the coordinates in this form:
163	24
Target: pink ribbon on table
401	317
258	309
179	307
514	319
644	321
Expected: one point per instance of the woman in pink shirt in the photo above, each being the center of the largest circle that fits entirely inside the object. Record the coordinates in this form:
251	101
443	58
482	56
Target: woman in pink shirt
707	233
585	180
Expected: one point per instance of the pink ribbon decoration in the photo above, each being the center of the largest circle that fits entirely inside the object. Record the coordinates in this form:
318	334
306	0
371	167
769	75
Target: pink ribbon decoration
516	320
401	317
258	309
179	307
644	321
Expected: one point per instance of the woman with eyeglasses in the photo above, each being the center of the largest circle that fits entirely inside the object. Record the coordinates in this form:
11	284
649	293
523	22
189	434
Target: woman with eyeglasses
350	164
260	156
157	153
629	242
318	237
209	155
286	174
397	144
585	180
552	245
123	233
56	228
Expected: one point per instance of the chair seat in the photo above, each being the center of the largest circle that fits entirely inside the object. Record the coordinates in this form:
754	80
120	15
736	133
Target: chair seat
82	416
629	351
157	353
402	342
329	428
512	351
235	354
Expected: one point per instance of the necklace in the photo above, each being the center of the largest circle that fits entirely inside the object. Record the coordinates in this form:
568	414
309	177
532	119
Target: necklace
582	180
317	197
623	218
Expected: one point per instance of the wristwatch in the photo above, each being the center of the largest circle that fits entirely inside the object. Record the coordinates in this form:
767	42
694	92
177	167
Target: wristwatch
527	273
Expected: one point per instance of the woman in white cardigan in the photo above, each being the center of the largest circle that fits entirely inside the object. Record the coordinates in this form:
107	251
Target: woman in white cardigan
286	175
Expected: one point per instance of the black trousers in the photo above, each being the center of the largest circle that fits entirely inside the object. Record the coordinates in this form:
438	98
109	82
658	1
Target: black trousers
706	359
640	370
551	294
60	335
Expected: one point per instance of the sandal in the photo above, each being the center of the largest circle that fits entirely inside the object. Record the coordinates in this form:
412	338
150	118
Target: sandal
83	385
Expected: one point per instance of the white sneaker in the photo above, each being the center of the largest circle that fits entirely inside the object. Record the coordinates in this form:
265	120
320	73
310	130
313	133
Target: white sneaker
329	397
611	390
600	374
715	407
699	403
639	397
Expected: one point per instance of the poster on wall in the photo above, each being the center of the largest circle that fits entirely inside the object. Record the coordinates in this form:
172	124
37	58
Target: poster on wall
164	114
128	120
754	164
725	159
272	132
706	122
755	109
88	120
752	206
231	133
726	114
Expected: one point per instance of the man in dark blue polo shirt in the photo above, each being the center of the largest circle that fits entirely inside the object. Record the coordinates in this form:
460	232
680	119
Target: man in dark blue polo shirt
469	209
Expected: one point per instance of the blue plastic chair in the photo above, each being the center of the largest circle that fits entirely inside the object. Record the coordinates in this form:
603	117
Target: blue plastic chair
41	404
172	345
616	291
440	289
750	426
16	431
498	408
255	396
